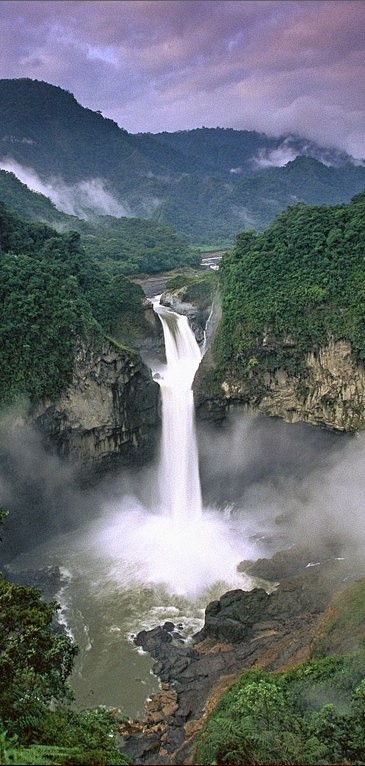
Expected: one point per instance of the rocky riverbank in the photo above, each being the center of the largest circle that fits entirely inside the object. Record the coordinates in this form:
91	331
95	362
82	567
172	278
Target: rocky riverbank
255	629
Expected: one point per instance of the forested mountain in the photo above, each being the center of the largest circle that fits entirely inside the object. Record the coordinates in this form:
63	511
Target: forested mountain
303	279
241	151
126	245
207	183
31	205
285	292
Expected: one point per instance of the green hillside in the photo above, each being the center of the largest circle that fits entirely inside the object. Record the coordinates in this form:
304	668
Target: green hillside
208	183
125	245
313	713
305	179
132	245
52	293
286	290
29	204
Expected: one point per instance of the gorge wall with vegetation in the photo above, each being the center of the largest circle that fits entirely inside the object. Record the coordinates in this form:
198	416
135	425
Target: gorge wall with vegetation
291	341
66	359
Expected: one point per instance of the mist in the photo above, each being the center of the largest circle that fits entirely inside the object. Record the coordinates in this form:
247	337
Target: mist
294	484
294	146
284	484
40	491
83	199
267	486
276	158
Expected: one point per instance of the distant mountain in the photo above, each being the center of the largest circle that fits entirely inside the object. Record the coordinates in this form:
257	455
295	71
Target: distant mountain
240	152
209	183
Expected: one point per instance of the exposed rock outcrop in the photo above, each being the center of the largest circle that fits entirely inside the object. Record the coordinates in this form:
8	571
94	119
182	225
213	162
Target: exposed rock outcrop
328	392
242	630
200	303
151	344
108	414
197	317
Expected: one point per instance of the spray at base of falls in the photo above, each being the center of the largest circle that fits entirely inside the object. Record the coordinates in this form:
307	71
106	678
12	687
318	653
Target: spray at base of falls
142	562
177	543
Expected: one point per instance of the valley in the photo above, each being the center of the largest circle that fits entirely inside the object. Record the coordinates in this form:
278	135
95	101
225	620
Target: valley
182	396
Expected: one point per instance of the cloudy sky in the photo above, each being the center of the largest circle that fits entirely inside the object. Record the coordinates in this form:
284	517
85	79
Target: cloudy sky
271	65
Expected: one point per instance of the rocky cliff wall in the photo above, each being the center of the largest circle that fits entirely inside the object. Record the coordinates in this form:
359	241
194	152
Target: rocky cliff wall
328	392
109	414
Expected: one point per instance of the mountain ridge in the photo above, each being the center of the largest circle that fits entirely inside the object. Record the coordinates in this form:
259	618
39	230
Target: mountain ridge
208	183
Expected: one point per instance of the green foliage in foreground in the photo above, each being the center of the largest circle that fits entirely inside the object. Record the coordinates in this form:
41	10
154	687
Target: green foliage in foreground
314	714
35	661
90	745
287	290
37	725
51	294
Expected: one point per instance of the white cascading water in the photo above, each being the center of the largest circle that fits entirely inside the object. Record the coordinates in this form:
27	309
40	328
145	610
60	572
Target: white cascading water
177	543
178	475
156	552
169	541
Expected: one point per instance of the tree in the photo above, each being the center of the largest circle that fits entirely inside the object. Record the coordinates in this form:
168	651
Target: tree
35	660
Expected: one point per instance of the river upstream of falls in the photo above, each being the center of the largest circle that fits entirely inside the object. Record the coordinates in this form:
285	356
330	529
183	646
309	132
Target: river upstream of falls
143	561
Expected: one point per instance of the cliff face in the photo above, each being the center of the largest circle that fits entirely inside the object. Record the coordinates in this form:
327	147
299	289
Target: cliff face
110	412
329	392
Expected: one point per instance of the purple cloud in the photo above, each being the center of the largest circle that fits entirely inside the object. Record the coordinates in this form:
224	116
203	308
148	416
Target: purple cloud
271	65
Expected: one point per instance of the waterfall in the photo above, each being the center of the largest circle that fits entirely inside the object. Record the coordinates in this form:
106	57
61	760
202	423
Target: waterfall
178	474
184	545
164	536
